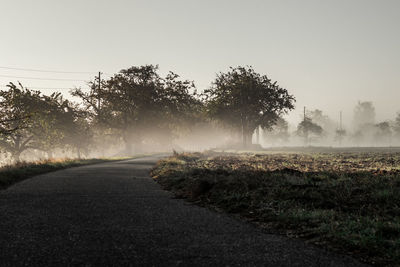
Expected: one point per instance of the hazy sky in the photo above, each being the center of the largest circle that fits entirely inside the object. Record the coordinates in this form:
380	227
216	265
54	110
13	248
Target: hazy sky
329	54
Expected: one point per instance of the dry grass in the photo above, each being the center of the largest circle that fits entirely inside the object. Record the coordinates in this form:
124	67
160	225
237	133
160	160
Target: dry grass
343	201
11	174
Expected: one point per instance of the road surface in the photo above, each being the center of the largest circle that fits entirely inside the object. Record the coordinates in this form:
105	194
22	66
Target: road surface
114	214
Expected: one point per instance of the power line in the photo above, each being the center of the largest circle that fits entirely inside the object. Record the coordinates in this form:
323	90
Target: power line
51	71
35	78
45	88
54	71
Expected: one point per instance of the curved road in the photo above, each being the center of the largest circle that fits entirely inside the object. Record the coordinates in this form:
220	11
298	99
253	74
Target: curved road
113	214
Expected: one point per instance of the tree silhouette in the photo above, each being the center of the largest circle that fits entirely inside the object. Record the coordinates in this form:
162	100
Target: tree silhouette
137	105
79	132
244	100
396	126
279	132
307	128
383	134
364	114
34	121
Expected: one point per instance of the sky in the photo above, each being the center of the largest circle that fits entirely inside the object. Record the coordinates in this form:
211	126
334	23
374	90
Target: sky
329	54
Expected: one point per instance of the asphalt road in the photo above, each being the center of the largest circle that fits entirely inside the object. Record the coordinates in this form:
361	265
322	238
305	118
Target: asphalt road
113	214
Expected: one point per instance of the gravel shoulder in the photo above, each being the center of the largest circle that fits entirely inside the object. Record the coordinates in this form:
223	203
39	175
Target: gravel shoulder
114	214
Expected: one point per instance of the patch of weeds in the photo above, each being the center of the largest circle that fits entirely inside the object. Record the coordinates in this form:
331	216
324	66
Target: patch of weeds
14	173
338	201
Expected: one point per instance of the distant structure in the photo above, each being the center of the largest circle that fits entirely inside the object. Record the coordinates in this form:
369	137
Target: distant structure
340	132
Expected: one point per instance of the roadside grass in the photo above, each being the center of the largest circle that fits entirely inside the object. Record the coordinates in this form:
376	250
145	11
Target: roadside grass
12	174
343	208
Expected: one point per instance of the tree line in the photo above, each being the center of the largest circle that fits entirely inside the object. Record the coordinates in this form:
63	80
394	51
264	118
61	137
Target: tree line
137	108
317	128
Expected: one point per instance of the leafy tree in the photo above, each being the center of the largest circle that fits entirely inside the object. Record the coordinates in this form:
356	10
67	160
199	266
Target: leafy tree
181	109
318	117
79	133
37	121
279	132
396	126
138	105
307	129
364	114
244	100
54	118
16	103
383	134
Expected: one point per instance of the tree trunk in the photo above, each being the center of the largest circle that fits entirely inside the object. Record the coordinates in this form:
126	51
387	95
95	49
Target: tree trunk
306	137
17	157
247	136
258	135
244	141
249	139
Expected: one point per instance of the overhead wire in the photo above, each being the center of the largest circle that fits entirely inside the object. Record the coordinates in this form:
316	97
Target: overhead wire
50	71
48	79
45	88
55	71
36	78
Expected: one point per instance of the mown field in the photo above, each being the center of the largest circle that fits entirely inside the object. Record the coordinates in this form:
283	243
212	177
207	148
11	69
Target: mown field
344	201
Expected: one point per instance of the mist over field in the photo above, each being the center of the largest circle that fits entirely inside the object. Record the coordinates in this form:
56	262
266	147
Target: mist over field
279	118
250	76
137	111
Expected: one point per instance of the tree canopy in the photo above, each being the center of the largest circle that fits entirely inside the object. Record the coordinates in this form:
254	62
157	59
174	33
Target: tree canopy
138	105
364	114
307	129
32	120
244	100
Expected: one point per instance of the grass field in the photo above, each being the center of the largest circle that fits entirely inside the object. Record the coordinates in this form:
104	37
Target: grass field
14	173
344	201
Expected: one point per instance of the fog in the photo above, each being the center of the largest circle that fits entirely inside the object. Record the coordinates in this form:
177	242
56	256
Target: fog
334	57
330	54
362	129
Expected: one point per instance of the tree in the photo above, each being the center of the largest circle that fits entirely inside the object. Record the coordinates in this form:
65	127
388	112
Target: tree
279	132
318	117
383	134
364	114
54	118
37	121
138	105
396	127
17	103
307	129
79	133
244	100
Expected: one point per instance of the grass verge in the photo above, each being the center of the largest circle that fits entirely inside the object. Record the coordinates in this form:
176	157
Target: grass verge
12	174
353	212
